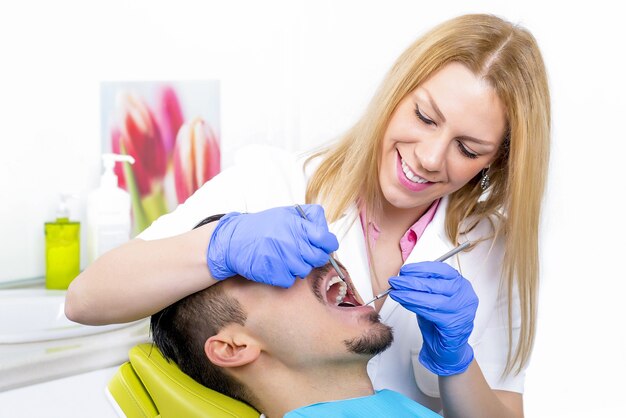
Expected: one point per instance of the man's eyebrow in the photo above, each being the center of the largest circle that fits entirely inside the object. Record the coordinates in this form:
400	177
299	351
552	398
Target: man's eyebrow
434	105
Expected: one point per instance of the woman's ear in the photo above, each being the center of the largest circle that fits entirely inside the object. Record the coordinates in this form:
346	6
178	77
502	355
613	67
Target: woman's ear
232	347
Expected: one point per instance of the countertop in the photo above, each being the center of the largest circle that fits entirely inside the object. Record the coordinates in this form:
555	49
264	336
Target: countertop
63	378
77	396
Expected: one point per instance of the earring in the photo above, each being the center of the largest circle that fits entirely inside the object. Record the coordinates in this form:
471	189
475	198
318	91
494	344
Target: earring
484	181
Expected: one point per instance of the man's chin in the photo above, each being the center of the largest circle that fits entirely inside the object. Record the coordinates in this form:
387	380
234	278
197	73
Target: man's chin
375	340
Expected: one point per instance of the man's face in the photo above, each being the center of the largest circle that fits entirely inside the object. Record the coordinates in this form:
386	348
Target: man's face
312	322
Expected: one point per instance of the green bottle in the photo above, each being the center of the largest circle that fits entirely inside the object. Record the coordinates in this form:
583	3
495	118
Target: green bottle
62	248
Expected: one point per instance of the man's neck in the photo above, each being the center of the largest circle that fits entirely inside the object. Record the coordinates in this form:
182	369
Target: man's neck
281	391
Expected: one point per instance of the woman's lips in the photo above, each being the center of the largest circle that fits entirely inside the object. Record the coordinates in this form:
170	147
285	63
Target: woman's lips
405	182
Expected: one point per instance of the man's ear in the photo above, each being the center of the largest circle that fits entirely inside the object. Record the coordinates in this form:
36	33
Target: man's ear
232	347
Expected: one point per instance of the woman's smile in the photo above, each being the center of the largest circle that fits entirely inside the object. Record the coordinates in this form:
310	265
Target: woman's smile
440	136
408	178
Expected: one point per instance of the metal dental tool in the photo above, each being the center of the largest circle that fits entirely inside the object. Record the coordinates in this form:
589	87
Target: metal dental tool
332	260
442	258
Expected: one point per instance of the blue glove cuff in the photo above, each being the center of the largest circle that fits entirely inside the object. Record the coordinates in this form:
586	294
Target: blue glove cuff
465	355
217	253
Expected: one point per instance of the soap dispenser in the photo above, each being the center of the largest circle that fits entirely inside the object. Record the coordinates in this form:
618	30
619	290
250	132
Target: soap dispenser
62	247
108	211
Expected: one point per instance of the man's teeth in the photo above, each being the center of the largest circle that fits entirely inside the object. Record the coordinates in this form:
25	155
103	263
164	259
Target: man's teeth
411	175
343	288
332	281
342	293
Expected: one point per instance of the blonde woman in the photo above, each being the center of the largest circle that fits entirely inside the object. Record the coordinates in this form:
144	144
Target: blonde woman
453	148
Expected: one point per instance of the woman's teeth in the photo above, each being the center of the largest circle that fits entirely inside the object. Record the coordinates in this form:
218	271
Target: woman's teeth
343	288
411	175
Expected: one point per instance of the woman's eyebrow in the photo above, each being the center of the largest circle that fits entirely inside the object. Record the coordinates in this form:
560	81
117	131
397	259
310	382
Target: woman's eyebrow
476	140
434	105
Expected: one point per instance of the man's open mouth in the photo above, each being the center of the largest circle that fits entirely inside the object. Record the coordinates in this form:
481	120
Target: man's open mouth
336	292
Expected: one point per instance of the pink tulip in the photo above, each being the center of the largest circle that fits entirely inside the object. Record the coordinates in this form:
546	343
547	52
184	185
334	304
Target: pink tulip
117	149
196	158
140	136
170	117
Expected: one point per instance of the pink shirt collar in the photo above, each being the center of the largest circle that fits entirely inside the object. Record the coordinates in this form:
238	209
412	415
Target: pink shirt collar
410	237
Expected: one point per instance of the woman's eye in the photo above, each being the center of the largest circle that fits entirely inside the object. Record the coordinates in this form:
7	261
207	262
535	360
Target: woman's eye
422	117
466	152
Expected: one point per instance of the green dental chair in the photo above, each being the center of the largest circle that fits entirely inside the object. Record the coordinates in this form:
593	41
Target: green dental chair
147	386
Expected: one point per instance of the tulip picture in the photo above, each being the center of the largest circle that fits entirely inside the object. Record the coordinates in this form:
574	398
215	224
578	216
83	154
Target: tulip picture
175	152
170	116
196	158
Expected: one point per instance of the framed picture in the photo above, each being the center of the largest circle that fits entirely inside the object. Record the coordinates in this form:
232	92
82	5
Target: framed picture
171	129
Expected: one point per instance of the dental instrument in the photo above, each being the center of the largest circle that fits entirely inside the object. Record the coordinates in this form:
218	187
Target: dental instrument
332	260
442	258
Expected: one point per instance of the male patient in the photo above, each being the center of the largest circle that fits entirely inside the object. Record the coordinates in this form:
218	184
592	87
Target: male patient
297	352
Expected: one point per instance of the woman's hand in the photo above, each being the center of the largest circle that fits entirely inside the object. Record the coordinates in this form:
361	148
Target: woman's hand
274	246
445	304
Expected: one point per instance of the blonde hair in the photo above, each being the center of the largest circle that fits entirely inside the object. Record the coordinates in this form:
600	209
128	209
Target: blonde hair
508	57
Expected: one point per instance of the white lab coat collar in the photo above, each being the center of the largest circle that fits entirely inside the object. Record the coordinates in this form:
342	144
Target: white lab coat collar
433	242
352	252
431	245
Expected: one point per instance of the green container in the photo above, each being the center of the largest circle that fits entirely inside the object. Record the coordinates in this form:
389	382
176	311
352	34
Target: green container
62	252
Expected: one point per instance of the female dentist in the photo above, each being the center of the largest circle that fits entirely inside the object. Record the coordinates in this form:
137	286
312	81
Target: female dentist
453	148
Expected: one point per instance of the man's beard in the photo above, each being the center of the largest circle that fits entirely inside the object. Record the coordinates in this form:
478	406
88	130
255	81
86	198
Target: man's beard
375	341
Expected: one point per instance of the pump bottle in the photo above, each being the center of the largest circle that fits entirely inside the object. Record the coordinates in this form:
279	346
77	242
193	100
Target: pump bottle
62	248
108	211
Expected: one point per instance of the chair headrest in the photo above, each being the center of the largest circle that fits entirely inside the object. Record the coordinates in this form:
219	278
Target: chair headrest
177	395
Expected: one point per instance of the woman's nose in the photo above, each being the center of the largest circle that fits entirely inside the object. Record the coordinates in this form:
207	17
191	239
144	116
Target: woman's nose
431	153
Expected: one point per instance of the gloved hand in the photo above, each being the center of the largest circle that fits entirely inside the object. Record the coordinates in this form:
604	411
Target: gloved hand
274	246
445	304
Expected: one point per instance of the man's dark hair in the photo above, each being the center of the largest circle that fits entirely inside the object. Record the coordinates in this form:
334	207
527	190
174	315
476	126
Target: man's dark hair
181	329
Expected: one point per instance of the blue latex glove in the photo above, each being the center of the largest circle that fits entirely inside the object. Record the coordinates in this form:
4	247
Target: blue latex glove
274	246
445	304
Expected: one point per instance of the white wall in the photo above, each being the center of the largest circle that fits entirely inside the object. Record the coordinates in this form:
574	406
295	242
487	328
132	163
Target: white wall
298	73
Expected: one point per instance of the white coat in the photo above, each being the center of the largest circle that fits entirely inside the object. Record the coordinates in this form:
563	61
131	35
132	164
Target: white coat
265	177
